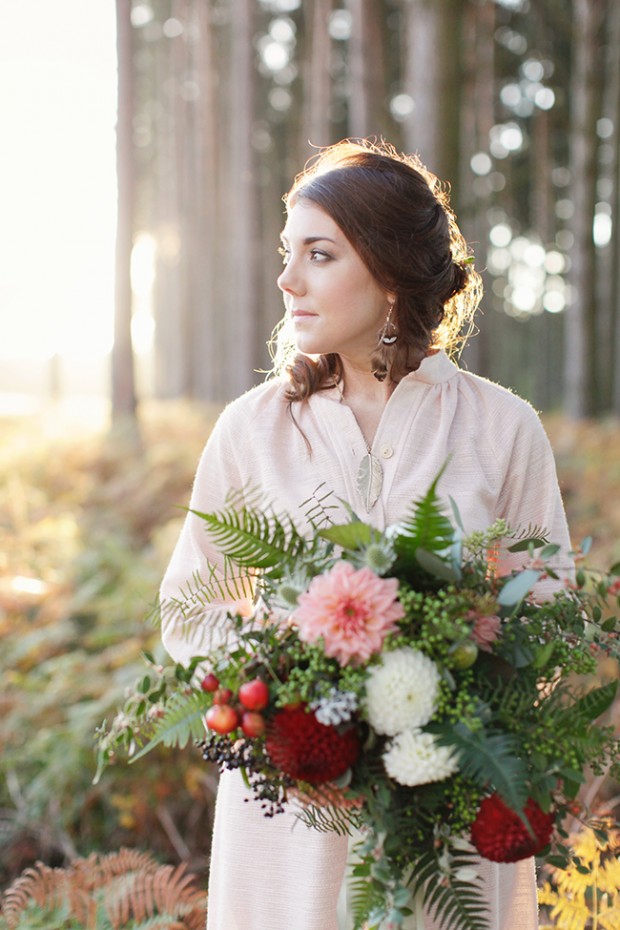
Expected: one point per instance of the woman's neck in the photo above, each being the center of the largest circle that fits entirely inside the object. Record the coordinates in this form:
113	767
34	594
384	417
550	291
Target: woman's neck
365	396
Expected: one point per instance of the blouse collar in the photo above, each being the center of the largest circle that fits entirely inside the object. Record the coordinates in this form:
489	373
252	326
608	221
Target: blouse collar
433	369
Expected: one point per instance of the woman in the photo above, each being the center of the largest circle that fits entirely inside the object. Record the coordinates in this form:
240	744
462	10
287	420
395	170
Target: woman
366	404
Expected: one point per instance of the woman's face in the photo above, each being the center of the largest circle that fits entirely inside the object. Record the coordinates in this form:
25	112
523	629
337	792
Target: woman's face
334	302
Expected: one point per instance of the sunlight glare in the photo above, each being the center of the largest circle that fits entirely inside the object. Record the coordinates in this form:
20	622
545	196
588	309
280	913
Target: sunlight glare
58	186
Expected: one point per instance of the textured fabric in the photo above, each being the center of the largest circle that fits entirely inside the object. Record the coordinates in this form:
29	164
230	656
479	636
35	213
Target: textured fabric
274	873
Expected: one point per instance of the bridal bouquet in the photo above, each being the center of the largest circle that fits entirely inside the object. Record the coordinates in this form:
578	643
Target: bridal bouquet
394	685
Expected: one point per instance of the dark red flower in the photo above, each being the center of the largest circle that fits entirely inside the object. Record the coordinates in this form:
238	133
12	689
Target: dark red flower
308	750
499	834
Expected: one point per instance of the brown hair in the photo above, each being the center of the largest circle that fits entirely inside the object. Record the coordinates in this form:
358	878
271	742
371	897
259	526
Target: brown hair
396	214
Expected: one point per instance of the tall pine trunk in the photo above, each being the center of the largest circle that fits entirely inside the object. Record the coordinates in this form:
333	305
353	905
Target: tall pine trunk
612	100
123	382
317	78
433	79
474	200
580	347
207	336
366	97
170	360
243	240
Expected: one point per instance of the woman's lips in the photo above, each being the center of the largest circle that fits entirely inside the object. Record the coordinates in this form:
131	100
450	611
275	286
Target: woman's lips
301	314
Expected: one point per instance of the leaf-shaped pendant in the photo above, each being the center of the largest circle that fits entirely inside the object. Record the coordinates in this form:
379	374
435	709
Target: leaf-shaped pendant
370	480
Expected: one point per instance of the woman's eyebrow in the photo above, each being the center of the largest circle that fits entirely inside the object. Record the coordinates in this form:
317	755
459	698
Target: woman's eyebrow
310	239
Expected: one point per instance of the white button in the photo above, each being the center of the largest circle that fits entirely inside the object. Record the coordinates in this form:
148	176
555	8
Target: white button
387	452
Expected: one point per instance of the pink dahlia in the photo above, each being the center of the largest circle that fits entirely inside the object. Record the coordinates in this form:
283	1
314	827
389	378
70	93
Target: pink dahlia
499	834
308	750
352	609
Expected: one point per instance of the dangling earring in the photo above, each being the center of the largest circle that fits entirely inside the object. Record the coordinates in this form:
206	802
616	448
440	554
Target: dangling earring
387	339
389	333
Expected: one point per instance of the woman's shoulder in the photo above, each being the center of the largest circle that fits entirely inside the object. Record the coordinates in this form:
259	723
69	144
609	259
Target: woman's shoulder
493	399
485	399
267	398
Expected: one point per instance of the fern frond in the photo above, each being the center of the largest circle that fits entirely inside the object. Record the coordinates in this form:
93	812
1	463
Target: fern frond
40	884
363	894
510	699
532	534
254	538
424	528
330	819
127	888
213	584
593	704
317	508
453	903
489	758
160	897
182	720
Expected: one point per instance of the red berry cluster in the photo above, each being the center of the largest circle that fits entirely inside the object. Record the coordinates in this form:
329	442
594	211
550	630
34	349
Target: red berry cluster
223	717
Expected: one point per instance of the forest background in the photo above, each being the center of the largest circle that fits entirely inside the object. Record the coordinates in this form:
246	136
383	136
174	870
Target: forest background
220	102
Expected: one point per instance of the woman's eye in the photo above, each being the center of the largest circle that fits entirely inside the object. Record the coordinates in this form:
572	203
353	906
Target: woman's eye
317	256
284	253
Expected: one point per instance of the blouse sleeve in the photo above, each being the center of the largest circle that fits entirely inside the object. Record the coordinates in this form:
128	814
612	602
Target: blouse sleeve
530	497
190	626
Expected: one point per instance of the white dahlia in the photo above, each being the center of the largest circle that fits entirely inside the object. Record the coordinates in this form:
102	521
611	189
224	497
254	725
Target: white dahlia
414	758
402	691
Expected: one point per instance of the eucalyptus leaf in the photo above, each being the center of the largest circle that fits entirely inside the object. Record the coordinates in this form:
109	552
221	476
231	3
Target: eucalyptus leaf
518	587
402	896
456	513
437	566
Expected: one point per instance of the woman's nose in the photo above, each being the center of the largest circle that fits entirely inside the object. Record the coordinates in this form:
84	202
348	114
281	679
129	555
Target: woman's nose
288	280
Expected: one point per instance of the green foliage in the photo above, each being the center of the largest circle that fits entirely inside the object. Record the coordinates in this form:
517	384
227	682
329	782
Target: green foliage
252	537
329	819
424	539
490	757
454	902
593	704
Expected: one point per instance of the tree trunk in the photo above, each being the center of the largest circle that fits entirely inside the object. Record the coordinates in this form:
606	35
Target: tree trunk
243	240
207	336
433	79
543	330
612	110
366	97
123	383
474	199
183	131
317	77
580	366
170	371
